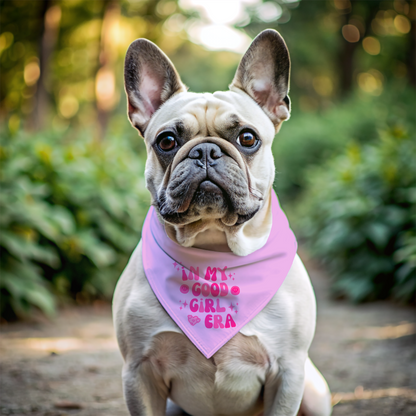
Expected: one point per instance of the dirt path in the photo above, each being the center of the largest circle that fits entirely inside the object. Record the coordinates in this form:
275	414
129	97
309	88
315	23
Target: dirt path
363	351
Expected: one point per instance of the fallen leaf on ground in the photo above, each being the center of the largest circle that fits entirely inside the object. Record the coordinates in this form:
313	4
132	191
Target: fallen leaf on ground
68	405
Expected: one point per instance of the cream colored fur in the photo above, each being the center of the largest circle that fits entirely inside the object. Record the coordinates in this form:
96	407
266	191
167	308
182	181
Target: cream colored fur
264	369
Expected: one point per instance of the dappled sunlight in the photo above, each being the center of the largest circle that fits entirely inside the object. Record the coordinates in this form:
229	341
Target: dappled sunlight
215	31
351	33
361	394
32	72
371	82
386	332
58	345
105	88
218	11
219	37
371	45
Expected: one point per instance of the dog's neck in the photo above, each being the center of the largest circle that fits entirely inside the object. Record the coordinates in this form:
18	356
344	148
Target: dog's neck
210	235
212	239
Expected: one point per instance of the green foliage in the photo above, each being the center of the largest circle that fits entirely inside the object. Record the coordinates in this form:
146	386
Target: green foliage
71	207
71	212
309	139
359	216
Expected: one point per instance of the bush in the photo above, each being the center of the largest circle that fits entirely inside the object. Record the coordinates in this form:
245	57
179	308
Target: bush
359	217
71	213
309	139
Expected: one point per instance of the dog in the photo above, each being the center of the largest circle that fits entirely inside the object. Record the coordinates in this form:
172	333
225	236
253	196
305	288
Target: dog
210	172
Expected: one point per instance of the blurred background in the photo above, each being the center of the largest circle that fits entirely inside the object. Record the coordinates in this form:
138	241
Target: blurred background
73	200
72	188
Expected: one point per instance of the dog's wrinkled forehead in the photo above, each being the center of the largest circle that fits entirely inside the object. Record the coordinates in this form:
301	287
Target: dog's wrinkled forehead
153	86
221	114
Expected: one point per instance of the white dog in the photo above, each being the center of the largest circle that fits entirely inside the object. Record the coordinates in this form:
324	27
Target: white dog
210	172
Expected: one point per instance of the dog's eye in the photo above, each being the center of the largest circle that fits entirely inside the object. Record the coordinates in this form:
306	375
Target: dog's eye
166	143
247	139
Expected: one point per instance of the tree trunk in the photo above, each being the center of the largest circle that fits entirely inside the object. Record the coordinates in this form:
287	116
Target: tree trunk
50	16
105	79
411	55
346	60
347	66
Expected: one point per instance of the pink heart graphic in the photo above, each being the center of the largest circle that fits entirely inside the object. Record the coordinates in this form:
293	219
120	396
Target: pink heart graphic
193	320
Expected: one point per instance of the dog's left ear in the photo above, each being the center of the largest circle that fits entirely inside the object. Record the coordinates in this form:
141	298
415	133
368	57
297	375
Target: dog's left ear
264	73
150	80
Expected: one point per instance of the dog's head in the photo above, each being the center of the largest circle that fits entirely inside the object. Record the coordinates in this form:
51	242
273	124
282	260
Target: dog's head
210	164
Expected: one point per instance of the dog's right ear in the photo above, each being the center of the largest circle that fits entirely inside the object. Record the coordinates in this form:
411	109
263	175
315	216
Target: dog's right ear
264	73
150	79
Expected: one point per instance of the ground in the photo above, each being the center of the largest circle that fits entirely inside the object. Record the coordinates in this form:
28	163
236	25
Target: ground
72	366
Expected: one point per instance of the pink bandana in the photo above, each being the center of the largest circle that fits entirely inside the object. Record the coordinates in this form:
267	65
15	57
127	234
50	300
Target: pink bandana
212	295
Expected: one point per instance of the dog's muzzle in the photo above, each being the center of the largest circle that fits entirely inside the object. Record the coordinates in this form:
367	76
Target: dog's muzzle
208	176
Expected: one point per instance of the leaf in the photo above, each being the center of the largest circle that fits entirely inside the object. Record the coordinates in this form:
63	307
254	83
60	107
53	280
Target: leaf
99	253
63	218
378	233
405	271
357	288
25	285
394	215
43	299
24	249
117	235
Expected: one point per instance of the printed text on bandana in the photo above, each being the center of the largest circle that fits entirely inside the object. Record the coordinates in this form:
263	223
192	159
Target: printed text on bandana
205	296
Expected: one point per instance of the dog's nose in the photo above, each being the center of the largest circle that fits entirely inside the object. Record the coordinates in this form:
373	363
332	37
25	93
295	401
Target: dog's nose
205	154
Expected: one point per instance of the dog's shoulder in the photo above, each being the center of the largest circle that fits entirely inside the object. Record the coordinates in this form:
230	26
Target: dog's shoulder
287	323
138	315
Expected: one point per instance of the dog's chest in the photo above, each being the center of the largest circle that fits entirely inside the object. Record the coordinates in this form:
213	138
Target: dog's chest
234	376
237	372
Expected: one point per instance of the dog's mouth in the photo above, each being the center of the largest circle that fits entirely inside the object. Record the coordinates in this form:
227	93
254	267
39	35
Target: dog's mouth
208	195
209	200
209	187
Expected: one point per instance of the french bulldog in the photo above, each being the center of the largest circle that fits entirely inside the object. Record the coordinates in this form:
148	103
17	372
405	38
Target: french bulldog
210	172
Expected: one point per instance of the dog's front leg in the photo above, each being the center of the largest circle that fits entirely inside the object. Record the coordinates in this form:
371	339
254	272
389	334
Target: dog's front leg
144	390
283	391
